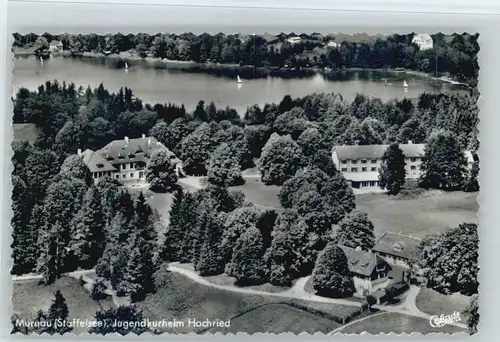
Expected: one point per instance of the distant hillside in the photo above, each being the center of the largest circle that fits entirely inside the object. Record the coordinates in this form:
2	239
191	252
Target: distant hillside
25	132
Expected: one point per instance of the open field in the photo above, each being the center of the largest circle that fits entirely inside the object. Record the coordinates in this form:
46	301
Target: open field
224	279
25	132
435	303
278	318
28	297
397	323
260	194
180	298
431	212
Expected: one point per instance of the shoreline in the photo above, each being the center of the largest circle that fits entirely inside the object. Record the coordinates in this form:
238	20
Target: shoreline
209	67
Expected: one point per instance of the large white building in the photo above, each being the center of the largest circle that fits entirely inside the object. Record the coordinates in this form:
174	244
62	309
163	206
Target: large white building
424	41
360	164
125	160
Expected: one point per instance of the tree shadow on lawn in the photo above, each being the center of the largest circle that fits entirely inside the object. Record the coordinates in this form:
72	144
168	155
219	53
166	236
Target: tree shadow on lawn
28	297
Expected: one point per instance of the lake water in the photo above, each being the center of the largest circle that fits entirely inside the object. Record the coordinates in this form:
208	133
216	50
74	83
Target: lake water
166	85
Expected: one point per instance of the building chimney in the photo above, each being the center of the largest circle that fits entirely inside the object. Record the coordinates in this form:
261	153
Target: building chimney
143	136
410	142
79	151
126	139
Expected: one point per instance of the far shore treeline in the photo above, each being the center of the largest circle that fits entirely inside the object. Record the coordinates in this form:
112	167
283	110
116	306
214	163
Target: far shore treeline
453	56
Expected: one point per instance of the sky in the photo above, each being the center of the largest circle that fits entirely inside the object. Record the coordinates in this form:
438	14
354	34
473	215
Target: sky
56	17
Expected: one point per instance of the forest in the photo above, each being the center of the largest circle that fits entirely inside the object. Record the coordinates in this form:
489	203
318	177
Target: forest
63	221
453	56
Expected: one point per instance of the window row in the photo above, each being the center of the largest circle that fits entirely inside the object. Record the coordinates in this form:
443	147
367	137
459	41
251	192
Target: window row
355	161
130	175
372	161
363	169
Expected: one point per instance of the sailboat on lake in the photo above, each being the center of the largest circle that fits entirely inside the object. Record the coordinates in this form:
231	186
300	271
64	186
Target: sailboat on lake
41	59
126	66
238	79
405	84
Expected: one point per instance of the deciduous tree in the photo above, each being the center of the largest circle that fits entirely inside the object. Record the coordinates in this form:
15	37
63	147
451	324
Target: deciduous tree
160	172
224	167
444	165
331	276
450	263
281	158
355	230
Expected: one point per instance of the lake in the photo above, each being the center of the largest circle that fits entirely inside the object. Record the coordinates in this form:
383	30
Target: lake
154	85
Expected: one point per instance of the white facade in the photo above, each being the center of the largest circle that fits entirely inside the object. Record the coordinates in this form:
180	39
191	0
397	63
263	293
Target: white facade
424	41
360	165
332	44
294	40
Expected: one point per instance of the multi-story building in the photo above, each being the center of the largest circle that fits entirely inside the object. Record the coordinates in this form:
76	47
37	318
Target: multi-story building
125	160
360	164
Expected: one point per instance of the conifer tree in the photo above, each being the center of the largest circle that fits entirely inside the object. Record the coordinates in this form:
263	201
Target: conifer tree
247	261
57	317
210	260
190	213
23	245
113	261
137	278
88	231
392	172
172	250
52	252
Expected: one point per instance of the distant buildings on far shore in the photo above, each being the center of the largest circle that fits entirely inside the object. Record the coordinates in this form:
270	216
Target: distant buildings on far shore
423	40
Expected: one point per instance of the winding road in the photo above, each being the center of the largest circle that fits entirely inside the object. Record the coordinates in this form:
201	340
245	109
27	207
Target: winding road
407	307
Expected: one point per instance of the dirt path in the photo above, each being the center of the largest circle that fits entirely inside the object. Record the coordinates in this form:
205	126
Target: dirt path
118	301
408	307
292	294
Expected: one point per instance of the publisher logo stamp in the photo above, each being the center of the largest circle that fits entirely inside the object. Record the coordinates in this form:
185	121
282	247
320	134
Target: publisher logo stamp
442	320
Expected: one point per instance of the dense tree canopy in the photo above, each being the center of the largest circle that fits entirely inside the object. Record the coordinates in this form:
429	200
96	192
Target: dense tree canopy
355	230
331	276
281	158
444	165
450	262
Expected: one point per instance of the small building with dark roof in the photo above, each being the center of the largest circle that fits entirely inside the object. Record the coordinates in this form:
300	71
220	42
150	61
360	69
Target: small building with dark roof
396	249
367	269
125	160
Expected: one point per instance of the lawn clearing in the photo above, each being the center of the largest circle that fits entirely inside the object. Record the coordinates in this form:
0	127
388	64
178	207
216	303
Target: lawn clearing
28	297
278	318
224	279
397	323
435	303
25	132
180	298
431	212
258	193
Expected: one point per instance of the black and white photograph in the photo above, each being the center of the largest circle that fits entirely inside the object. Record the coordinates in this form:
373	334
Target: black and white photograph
244	181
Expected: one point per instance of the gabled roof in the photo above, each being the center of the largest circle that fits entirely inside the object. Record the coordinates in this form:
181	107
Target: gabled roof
133	150
362	262
376	151
95	162
399	245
